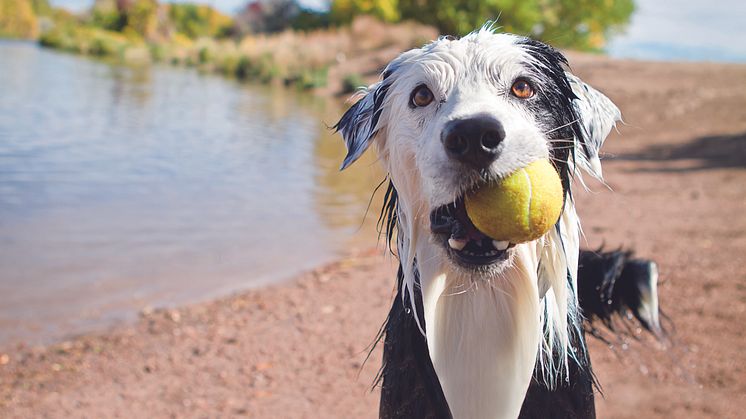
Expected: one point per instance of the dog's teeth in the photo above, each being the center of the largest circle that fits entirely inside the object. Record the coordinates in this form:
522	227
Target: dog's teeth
456	243
500	245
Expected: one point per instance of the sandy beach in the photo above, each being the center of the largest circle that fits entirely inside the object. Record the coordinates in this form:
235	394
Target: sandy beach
676	174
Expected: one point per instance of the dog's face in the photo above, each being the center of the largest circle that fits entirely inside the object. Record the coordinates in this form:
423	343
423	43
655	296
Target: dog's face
455	114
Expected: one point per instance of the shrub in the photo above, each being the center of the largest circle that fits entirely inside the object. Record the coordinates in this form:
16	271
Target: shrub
583	24
196	21
17	19
343	11
352	82
313	78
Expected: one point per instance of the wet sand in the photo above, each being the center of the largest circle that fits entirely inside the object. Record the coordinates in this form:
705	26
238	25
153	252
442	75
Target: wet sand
677	169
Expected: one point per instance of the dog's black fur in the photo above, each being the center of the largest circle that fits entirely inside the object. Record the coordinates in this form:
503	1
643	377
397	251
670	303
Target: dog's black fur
410	387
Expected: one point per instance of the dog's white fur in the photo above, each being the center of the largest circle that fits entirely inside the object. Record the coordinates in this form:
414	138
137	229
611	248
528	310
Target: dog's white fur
486	329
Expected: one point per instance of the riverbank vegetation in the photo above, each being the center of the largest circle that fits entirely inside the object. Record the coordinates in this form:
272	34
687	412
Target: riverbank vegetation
276	41
20	19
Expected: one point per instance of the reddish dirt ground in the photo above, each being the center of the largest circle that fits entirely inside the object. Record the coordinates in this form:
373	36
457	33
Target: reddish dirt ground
678	174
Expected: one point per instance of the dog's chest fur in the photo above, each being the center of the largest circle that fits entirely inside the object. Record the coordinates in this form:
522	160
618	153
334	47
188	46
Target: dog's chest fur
483	336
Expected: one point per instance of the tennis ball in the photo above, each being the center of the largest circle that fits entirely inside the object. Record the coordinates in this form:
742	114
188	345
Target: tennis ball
521	207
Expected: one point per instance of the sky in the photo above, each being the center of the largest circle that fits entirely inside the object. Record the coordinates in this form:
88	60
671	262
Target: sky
712	30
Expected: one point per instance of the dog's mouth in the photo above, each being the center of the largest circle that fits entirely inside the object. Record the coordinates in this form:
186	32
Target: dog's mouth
464	242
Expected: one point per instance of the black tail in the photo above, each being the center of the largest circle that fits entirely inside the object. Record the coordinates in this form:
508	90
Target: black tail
614	287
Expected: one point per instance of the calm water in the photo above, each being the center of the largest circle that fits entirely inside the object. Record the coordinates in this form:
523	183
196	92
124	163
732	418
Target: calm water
124	188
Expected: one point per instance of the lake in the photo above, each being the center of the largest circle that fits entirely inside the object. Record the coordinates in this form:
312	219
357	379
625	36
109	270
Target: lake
124	188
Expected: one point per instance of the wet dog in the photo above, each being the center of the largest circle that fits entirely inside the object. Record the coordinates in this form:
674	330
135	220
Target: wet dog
479	328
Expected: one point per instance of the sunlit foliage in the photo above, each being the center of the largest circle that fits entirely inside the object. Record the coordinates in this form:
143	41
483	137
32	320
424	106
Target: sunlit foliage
17	19
195	20
342	11
580	24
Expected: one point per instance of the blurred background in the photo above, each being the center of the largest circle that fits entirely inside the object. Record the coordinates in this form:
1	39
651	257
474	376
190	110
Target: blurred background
189	154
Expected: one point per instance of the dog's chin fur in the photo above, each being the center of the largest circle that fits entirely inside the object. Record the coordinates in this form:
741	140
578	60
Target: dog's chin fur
486	324
483	331
478	272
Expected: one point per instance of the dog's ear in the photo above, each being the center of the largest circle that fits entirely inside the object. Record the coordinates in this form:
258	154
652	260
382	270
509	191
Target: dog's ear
359	125
598	115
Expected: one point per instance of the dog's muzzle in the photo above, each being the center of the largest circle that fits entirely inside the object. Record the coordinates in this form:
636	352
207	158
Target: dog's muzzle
474	142
465	244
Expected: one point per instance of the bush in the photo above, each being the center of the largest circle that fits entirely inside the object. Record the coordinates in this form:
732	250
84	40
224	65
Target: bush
196	21
343	11
142	17
17	19
86	40
203	55
313	78
352	82
41	7
582	24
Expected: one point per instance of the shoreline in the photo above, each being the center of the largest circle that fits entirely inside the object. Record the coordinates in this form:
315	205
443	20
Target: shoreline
326	61
296	349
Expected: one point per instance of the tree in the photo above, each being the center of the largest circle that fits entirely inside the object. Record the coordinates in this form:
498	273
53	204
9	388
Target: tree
195	20
342	11
17	19
41	7
583	24
266	16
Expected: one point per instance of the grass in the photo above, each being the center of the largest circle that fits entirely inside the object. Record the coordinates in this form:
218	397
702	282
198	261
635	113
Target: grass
293	58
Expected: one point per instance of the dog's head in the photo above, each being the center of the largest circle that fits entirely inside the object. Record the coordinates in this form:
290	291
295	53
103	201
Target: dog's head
458	113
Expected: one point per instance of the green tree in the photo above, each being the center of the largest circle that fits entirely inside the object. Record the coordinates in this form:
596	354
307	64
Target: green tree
583	24
41	7
105	14
342	11
17	19
141	16
195	20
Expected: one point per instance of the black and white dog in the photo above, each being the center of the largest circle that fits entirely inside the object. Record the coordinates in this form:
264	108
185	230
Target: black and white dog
481	328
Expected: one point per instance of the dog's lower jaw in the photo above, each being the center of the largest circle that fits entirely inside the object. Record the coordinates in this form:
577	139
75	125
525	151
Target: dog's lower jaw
483	334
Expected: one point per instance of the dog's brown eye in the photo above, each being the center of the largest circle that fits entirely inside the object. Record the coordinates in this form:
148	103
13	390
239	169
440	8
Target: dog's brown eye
422	96
521	89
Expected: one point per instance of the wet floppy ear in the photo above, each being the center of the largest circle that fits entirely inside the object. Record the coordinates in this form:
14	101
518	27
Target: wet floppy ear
359	125
597	115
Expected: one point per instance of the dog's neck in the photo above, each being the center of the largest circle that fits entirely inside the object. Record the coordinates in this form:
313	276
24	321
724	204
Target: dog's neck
482	334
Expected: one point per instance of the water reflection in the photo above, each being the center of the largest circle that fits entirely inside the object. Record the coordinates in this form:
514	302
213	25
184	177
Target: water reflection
126	187
343	197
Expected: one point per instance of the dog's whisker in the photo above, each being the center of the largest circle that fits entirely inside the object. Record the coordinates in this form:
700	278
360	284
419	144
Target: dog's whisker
562	126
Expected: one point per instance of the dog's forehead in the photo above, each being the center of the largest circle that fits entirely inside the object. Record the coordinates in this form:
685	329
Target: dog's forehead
482	52
478	44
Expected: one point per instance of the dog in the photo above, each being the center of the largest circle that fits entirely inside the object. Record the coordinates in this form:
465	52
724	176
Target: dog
480	328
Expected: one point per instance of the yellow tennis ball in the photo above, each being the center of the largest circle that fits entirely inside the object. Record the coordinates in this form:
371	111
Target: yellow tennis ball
520	208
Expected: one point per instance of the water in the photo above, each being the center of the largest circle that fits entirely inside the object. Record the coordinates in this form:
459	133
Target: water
122	188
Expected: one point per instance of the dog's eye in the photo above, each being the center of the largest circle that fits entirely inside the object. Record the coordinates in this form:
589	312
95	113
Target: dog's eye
522	89
421	96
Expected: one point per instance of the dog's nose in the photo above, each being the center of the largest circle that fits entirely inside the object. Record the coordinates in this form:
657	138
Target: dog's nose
474	141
